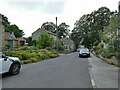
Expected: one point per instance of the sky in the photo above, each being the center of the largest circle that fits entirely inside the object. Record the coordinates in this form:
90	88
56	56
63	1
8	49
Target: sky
29	15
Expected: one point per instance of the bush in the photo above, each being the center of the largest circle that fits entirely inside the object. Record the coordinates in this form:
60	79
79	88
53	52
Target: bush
95	48
26	61
107	54
49	48
53	54
22	55
34	60
29	54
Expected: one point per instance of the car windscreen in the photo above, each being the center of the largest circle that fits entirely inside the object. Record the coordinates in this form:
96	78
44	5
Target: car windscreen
84	50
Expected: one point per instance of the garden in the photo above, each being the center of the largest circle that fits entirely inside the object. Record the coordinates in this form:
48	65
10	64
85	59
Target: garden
32	54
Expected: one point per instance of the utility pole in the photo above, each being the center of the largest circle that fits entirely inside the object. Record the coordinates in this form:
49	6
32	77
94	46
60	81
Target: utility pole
118	31
56	34
1	34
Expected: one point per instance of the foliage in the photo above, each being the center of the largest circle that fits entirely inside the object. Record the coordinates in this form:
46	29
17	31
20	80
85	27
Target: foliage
106	53
53	54
12	28
90	27
29	41
50	26
49	48
45	40
61	46
29	54
62	30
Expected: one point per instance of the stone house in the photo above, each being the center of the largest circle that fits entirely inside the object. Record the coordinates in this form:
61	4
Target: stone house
37	33
68	44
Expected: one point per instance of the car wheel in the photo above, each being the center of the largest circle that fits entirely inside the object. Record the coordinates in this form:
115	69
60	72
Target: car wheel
14	69
79	55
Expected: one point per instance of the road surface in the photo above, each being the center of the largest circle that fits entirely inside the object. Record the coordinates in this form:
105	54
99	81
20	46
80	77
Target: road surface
65	71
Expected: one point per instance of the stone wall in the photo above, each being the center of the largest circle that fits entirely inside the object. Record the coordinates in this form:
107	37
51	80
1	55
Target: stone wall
113	60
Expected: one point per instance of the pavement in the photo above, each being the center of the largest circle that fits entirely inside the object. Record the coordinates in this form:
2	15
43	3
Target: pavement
103	74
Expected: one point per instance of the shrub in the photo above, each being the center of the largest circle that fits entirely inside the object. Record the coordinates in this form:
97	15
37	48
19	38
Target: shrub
49	48
34	60
26	61
107	54
22	55
53	54
45	40
101	45
29	55
42	55
95	48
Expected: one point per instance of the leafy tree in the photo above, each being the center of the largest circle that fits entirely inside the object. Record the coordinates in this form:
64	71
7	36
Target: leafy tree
5	21
75	36
11	28
45	40
90	27
62	30
14	28
50	26
29	41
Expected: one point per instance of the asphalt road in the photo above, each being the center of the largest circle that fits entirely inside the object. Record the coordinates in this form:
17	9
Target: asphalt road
66	71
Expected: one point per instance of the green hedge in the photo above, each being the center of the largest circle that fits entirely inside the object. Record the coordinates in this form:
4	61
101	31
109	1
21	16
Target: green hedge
29	55
104	52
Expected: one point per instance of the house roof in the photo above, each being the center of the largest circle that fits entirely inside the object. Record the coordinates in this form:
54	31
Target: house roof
42	30
36	33
6	35
67	41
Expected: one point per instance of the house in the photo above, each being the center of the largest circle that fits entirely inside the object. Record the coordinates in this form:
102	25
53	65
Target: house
68	44
10	41
37	33
1	34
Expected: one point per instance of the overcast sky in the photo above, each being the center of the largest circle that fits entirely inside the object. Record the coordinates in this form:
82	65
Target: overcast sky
29	15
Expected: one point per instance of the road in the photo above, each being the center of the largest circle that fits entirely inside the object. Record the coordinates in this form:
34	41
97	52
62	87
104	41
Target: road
66	71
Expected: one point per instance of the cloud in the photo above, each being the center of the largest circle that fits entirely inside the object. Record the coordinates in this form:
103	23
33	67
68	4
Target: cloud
44	6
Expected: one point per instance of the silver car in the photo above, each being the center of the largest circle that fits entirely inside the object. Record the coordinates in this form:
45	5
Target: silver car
84	52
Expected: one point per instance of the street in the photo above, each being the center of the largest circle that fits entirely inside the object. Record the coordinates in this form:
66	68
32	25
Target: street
66	71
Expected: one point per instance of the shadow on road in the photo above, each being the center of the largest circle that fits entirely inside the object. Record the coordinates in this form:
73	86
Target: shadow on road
5	75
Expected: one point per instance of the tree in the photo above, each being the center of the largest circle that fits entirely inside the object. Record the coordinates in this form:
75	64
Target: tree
29	41
50	26
45	40
91	27
62	30
14	28
11	28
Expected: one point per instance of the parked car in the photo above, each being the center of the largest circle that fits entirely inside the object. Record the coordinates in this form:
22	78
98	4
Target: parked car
9	64
84	52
